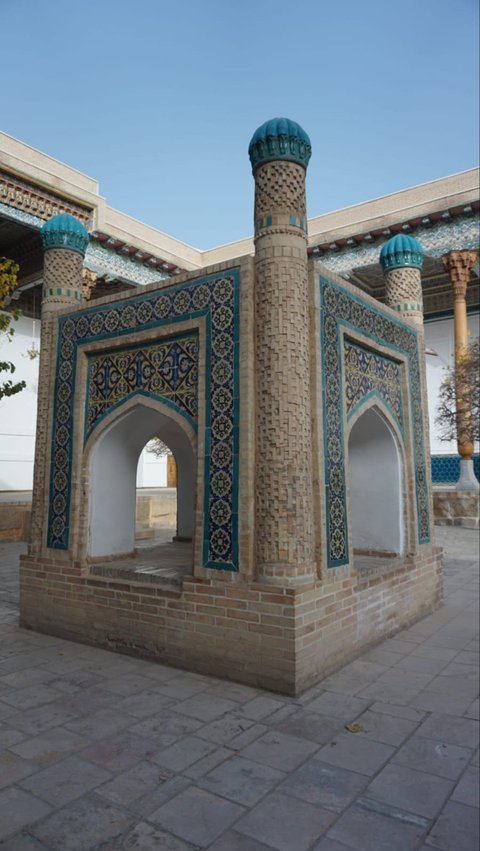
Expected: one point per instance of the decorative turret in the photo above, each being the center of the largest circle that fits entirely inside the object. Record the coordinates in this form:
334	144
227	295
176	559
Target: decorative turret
65	242
279	153
64	231
401	259
400	252
279	139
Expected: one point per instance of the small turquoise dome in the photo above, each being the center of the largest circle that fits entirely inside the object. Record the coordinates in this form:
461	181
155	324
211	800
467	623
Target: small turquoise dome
401	251
64	231
279	139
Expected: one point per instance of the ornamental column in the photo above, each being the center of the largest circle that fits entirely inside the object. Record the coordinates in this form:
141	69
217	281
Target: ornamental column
459	265
402	259
279	152
65	242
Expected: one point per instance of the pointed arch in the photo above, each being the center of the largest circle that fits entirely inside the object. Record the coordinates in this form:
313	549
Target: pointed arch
376	474
110	463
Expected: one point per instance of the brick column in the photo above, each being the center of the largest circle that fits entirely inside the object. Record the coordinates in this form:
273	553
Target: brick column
402	259
459	265
279	152
64	242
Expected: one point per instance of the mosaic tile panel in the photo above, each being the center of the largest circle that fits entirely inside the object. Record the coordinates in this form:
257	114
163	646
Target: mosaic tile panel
98	258
368	373
446	468
340	309
167	370
437	239
216	298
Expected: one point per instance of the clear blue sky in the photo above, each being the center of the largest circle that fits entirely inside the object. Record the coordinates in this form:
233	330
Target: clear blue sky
158	100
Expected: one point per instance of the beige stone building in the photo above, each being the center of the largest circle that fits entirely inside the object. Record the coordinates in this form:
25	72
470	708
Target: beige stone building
292	394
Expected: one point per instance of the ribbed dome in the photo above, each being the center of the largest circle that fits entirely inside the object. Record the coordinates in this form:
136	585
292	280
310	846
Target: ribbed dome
401	251
279	139
65	231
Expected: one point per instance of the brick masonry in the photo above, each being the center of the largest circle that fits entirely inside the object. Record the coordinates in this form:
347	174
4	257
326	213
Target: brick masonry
280	610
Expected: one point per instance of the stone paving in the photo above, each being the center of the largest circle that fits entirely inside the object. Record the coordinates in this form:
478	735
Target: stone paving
102	752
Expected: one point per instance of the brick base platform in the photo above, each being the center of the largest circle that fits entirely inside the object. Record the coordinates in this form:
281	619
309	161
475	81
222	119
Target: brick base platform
285	639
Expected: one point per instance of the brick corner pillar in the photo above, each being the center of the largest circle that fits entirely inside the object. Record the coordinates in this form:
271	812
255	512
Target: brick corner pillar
401	259
459	265
65	242
279	153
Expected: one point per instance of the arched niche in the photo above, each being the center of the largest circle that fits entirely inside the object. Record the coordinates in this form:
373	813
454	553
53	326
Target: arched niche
376	485
112	466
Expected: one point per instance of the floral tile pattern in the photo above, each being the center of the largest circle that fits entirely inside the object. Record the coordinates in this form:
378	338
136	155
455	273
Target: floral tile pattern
216	298
167	370
368	373
340	309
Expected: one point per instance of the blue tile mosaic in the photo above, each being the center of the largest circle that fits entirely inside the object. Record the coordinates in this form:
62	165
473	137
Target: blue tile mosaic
216	298
446	468
167	370
370	374
340	309
437	239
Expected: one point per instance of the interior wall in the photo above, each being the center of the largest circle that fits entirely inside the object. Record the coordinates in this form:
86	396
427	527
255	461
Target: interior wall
439	338
376	504
18	414
113	469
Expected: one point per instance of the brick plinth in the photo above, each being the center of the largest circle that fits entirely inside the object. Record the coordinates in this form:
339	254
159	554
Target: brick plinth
284	639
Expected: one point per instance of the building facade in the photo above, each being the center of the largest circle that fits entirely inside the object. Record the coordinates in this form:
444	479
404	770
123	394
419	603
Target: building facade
125	255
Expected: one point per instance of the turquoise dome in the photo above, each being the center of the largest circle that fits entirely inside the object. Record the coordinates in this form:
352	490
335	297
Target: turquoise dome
279	139
401	251
64	231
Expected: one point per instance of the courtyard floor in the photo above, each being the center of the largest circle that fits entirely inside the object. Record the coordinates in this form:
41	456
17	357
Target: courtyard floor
102	752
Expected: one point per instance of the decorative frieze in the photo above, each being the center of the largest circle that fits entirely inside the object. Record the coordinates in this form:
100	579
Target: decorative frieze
38	202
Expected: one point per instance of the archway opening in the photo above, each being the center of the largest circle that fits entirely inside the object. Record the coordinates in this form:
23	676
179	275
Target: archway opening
113	466
376	498
156	512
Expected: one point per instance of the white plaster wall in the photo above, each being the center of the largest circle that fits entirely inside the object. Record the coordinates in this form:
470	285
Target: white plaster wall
439	337
151	471
113	474
18	414
375	485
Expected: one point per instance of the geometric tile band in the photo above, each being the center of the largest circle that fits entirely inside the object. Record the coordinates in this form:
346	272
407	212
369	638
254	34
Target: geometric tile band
368	373
340	309
167	370
216	299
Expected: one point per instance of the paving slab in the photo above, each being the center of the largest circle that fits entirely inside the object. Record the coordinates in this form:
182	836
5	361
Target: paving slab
103	752
197	816
456	828
413	791
285	822
82	825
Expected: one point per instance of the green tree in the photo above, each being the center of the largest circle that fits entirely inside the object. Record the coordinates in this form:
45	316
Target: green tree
459	397
8	283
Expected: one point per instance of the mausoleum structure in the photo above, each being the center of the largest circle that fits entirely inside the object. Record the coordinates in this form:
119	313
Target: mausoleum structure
295	405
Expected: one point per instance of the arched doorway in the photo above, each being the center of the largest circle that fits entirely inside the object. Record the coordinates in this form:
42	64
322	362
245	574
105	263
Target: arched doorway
376	492
112	463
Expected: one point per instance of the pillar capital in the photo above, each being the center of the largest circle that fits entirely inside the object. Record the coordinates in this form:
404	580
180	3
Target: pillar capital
459	265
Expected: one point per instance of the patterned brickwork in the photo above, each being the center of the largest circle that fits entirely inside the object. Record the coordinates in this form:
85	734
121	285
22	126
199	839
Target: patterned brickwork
280	198
216	299
31	199
168	371
62	279
403	293
367	374
340	309
284	500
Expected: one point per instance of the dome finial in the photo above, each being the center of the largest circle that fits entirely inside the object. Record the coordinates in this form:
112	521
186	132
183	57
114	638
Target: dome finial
279	139
401	251
65	231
